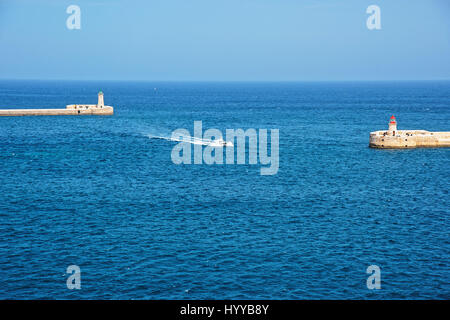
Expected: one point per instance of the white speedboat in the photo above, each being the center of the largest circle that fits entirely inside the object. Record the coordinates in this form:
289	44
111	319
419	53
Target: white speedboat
220	143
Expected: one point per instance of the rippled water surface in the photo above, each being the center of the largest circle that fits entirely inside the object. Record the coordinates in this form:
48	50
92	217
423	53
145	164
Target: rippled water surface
97	192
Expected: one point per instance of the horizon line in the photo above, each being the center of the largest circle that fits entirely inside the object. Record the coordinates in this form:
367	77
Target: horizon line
222	81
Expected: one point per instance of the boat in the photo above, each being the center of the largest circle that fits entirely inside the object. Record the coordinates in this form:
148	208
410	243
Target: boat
220	143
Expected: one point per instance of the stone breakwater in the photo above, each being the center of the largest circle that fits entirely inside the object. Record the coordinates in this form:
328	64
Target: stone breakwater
70	110
106	110
401	139
409	139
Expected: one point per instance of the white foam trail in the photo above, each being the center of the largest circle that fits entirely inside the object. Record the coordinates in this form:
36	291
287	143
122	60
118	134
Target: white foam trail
183	139
189	139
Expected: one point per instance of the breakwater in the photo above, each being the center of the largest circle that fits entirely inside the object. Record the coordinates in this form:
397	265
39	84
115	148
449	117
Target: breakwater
70	110
399	139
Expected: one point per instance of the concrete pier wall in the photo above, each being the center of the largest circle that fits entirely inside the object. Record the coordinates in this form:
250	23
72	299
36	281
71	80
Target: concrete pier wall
402	139
106	110
70	110
409	139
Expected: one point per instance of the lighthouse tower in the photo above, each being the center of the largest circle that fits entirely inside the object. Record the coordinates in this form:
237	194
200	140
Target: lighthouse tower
100	103
392	125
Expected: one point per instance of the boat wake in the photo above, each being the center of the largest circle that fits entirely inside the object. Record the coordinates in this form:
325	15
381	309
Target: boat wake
194	140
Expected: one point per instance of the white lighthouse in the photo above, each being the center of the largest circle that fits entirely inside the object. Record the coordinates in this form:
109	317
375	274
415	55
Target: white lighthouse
100	103
392	125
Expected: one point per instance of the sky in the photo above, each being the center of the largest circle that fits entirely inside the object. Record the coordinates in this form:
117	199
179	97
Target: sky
225	40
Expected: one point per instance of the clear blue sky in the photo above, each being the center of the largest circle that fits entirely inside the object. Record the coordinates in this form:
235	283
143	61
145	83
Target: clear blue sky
225	40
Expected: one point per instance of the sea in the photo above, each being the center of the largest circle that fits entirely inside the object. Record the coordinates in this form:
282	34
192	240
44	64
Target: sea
103	193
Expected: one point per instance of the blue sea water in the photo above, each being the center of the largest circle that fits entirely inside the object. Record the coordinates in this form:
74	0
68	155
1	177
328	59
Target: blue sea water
97	192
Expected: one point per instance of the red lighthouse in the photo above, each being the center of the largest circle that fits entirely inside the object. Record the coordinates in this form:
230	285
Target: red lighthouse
392	125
